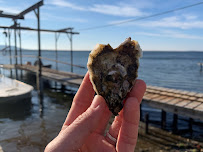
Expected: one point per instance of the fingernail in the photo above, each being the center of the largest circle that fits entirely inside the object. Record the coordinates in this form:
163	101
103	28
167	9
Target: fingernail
98	101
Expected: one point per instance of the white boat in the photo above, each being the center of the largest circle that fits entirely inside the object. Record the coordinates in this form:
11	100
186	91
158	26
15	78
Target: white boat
13	90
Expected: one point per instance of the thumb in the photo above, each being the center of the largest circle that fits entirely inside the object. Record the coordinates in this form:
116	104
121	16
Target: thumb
74	135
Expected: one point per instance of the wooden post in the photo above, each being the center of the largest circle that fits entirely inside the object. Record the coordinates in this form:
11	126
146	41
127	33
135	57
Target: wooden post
190	126
175	123
63	88
147	123
163	119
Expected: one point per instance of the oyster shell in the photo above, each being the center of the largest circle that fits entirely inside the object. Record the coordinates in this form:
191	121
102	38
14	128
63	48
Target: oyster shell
113	71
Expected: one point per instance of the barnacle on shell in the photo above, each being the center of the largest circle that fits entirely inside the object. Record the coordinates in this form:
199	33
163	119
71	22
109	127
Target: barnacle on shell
113	71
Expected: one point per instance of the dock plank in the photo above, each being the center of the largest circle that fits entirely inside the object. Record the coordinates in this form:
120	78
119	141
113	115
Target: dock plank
193	104
65	78
176	101
200	99
167	99
183	103
200	107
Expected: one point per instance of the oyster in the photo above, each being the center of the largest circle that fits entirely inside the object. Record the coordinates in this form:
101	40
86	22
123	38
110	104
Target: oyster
113	71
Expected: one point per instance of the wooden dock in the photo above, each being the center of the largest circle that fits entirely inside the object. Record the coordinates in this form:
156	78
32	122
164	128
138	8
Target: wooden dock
65	78
179	102
189	104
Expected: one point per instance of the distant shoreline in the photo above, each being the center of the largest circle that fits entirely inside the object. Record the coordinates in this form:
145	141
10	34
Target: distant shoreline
143	50
2	46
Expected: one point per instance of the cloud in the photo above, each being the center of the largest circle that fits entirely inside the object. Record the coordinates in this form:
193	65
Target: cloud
175	22
189	16
116	10
63	3
171	34
181	22
10	9
119	9
46	16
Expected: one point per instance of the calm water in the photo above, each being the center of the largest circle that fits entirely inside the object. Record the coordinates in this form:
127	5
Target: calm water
177	70
26	128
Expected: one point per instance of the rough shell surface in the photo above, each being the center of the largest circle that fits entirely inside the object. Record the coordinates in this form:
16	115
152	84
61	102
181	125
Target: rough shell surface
113	71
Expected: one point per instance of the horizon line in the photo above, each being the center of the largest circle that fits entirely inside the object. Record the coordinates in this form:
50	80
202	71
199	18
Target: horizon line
24	49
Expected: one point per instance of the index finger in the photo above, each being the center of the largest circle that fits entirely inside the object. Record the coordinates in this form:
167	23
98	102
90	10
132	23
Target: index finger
81	101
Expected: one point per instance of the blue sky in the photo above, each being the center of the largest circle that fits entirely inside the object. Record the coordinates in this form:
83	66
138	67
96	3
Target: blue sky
180	30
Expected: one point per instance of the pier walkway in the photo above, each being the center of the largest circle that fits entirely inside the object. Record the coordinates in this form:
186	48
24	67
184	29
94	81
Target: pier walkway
65	78
189	104
179	102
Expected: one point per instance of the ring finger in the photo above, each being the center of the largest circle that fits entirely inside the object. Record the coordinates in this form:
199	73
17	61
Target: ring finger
114	129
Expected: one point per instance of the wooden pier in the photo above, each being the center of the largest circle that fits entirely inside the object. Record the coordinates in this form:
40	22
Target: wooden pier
189	104
180	102
65	78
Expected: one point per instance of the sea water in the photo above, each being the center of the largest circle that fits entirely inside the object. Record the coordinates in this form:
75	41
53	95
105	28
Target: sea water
178	70
28	128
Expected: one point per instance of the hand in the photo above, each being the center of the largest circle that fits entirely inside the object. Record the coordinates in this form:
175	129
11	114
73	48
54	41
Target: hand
84	127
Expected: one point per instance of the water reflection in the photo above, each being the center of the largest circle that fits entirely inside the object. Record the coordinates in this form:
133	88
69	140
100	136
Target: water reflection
16	110
41	103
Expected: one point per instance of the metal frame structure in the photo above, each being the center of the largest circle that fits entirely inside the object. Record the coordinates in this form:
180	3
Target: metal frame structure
16	26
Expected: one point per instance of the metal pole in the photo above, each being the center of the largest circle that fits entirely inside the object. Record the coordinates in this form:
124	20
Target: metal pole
56	41
16	53
9	43
15	39
39	72
71	50
39	52
20	48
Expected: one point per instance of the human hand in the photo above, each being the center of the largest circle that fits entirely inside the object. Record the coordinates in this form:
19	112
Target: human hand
84	127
